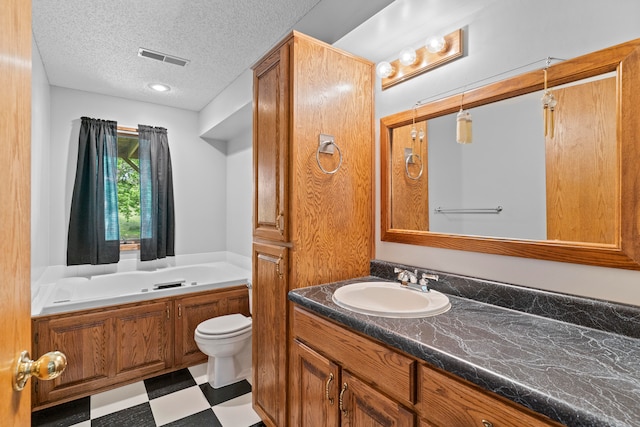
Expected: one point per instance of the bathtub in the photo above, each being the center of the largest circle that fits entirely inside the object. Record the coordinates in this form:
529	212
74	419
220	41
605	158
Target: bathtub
79	293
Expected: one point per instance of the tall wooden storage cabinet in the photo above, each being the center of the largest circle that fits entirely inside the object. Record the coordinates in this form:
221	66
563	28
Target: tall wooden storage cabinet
313	200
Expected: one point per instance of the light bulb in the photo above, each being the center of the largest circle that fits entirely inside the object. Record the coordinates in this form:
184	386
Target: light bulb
407	56
435	44
384	69
159	87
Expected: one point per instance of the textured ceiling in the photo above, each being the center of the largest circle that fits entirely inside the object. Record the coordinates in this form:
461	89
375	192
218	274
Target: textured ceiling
93	45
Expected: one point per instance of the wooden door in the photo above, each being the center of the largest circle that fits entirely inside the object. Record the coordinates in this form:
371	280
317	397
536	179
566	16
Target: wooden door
270	332
270	146
315	384
363	406
15	198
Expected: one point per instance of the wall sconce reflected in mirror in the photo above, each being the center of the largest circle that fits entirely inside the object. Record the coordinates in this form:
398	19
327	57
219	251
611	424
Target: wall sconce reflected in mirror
438	50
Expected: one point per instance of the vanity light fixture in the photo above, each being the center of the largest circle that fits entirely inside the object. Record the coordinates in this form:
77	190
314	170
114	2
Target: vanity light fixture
435	44
438	50
384	69
159	87
408	56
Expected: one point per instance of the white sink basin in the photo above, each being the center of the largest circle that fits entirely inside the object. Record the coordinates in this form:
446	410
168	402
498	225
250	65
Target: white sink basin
390	299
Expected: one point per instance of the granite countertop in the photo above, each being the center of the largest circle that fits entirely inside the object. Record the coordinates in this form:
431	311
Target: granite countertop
576	375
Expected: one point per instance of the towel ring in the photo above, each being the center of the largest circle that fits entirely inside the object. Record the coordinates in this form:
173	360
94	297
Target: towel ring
319	150
406	166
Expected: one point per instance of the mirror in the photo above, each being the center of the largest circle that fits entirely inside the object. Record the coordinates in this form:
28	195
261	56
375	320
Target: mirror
567	196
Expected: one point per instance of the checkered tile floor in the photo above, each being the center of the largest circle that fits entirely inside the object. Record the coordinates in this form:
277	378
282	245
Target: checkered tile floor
182	398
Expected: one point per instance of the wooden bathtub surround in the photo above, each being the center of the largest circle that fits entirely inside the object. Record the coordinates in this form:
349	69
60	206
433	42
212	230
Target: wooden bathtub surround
384	387
108	347
310	227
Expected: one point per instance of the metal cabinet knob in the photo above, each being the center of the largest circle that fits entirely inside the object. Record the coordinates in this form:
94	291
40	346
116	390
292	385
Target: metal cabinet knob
486	423
47	367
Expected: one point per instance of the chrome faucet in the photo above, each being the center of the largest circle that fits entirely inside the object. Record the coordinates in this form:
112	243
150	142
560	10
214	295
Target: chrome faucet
406	276
410	279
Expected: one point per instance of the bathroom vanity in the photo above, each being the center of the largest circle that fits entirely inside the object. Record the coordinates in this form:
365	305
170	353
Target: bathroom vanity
340	377
115	345
501	356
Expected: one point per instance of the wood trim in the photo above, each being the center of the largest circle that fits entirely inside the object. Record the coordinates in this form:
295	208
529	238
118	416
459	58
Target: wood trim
624	58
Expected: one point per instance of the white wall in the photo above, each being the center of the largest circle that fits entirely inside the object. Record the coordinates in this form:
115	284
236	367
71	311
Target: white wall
503	166
40	127
240	194
504	35
199	168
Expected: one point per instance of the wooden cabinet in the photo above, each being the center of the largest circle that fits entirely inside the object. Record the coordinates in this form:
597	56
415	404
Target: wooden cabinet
190	311
310	226
449	401
270	320
111	346
104	348
270	148
143	340
339	377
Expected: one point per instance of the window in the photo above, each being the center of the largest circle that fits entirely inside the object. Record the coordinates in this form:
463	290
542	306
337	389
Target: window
128	189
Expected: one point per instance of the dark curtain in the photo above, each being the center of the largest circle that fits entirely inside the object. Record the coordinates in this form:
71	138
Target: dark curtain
94	235
157	228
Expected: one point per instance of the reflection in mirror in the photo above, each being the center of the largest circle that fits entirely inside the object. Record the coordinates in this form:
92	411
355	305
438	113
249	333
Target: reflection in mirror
570	195
561	186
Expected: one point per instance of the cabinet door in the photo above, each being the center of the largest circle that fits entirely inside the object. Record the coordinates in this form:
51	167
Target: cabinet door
87	341
143	339
363	406
314	388
270	146
191	311
270	332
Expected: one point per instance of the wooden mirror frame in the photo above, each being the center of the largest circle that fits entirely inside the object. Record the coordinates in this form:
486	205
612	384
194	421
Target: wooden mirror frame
625	252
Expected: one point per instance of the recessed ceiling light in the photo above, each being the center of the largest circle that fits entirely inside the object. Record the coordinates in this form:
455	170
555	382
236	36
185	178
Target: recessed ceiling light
159	87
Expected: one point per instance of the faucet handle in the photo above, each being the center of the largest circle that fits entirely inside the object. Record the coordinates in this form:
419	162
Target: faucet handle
424	281
426	276
413	277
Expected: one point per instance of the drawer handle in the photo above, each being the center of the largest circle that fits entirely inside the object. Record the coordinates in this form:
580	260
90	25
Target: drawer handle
486	423
341	399
326	388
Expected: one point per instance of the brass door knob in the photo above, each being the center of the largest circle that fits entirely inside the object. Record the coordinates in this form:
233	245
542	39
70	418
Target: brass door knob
47	367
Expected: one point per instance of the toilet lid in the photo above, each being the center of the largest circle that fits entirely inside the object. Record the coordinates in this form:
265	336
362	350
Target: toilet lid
224	324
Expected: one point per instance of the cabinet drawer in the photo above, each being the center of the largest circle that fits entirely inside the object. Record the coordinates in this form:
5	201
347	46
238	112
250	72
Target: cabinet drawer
387	370
445	401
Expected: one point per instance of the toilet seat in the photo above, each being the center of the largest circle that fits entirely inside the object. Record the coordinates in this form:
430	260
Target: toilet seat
227	326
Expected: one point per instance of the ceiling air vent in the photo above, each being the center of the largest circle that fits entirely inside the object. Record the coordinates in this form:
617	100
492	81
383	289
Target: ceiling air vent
163	57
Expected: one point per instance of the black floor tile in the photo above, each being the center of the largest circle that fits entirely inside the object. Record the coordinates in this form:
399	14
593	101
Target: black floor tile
222	394
168	383
205	418
63	415
139	416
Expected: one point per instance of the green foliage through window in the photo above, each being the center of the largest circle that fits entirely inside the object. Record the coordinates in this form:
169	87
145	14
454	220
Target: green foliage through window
128	189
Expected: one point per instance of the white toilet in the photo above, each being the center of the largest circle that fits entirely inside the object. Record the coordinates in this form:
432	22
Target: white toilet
227	342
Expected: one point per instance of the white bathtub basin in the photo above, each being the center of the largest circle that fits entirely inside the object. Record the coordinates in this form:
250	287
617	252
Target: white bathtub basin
389	299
